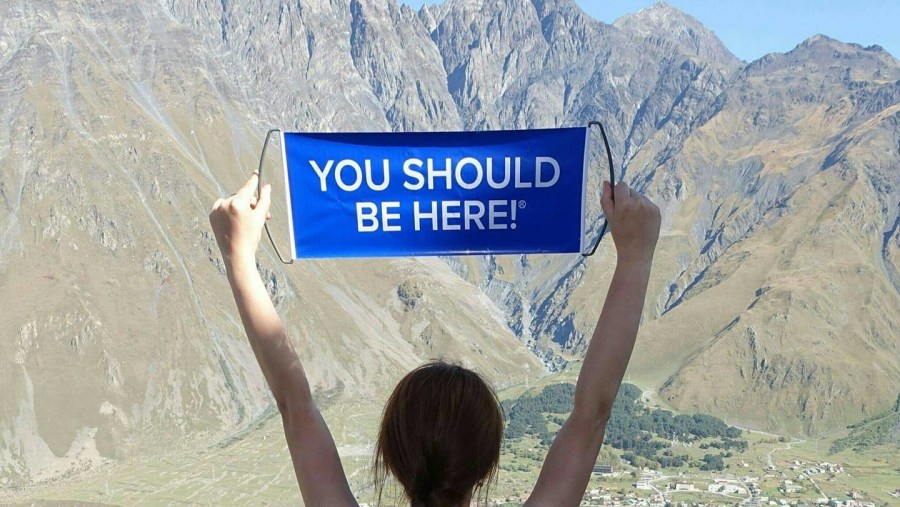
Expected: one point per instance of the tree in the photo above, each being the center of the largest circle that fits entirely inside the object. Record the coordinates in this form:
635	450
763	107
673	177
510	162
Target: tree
713	462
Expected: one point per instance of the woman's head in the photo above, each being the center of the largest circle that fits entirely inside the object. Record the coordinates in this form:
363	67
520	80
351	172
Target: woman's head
440	436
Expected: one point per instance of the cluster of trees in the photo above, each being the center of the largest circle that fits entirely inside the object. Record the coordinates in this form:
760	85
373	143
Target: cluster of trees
525	414
876	430
654	460
712	462
726	444
634	428
686	428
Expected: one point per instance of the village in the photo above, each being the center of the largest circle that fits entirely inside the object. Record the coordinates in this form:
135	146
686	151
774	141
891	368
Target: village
796	486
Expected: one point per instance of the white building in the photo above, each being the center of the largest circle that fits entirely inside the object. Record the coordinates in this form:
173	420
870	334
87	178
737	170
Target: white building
726	488
790	487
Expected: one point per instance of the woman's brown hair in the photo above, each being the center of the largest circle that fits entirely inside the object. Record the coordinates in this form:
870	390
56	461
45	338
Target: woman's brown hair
440	436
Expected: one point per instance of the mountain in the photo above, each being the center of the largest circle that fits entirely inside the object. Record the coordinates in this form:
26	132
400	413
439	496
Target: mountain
775	296
121	126
814	235
664	25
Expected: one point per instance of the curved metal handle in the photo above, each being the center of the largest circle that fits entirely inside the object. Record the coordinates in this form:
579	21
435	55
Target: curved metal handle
259	171
612	184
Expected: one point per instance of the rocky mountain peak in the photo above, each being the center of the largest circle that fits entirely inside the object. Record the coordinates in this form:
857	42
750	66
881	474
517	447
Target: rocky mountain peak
819	39
427	18
663	23
845	61
824	45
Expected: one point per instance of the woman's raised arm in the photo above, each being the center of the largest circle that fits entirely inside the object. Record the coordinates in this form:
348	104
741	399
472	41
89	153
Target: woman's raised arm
635	223
237	222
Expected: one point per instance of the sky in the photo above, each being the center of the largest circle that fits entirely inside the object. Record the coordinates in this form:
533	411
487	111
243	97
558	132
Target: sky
751	29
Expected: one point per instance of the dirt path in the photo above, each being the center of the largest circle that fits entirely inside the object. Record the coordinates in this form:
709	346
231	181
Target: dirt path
785	448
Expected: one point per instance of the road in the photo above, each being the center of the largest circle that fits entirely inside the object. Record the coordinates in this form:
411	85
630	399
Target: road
788	446
803	474
821	493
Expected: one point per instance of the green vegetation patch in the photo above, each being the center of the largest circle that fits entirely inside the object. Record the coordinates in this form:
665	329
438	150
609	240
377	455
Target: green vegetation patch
639	431
881	429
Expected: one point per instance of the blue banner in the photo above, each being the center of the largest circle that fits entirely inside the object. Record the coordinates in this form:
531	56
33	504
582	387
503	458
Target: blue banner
435	193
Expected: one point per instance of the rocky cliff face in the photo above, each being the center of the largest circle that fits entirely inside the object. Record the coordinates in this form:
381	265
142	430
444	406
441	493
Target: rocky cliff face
122	126
774	299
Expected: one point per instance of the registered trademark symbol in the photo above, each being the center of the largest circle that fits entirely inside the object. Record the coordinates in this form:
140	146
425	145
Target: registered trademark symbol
521	204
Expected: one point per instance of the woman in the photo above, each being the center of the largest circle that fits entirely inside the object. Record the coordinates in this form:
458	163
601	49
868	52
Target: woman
441	431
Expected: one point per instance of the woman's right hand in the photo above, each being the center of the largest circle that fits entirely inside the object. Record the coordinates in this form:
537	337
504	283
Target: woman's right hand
634	221
238	220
